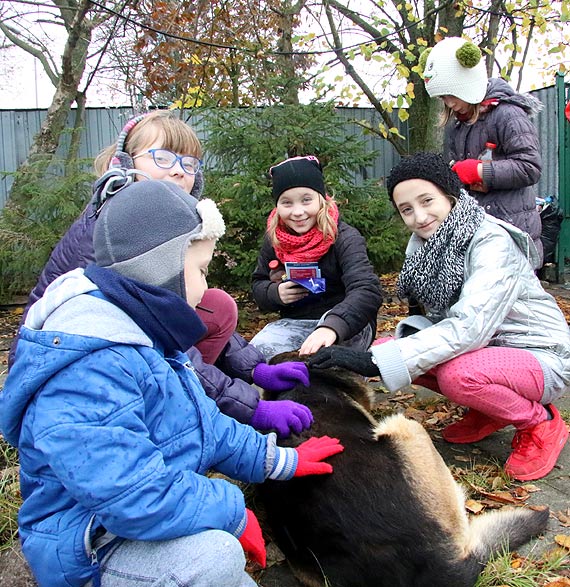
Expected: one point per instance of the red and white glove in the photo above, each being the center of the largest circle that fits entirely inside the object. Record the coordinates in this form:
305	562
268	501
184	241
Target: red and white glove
468	171
312	452
252	540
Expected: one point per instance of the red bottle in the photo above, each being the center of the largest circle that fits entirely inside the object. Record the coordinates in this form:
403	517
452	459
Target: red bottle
276	271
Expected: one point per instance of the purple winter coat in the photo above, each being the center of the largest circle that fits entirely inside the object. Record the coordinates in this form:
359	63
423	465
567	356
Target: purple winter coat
516	165
234	396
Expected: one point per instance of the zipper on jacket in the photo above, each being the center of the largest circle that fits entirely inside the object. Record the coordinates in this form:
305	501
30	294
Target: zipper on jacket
188	365
92	554
93	546
96	576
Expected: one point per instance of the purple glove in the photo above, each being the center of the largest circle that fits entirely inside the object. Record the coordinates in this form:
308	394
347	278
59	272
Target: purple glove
284	416
281	377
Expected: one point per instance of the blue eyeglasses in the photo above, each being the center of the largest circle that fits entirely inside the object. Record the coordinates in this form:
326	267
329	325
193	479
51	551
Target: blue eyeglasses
166	159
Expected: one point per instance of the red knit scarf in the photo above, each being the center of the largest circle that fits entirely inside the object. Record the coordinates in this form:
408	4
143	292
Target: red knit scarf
303	248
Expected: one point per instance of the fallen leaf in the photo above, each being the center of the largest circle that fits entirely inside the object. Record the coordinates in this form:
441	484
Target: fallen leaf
563	518
521	493
491	504
401	397
562	540
462	458
414	414
561	582
498	483
502	497
531	488
473	506
274	554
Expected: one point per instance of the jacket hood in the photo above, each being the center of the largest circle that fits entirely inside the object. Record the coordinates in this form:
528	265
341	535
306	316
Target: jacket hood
62	327
501	90
522	239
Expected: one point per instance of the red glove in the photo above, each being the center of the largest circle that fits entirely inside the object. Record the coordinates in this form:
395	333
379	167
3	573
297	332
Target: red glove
467	171
313	451
252	540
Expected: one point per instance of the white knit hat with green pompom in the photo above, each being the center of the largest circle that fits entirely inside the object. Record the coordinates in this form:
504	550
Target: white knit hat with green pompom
454	67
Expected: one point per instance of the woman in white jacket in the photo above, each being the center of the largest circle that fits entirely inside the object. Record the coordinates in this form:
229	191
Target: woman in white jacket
491	338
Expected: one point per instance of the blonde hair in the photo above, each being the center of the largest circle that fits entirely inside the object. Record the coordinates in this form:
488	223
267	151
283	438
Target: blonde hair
162	126
325	223
448	114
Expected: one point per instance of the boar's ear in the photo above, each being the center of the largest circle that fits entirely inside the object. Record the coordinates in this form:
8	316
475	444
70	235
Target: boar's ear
285	357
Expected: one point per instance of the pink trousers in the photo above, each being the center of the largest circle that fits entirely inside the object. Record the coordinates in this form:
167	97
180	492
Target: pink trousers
503	383
218	310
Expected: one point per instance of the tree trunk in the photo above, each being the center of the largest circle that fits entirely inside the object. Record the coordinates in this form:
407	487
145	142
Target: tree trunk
287	70
425	134
46	142
75	140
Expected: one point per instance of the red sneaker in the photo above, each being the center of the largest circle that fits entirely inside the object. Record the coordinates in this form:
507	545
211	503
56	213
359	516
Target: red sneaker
472	427
536	449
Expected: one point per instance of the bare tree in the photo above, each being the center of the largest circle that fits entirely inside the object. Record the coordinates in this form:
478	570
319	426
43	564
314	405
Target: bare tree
28	25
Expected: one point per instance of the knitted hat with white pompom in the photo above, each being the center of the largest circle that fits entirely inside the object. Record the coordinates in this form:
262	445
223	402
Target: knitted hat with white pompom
143	232
454	67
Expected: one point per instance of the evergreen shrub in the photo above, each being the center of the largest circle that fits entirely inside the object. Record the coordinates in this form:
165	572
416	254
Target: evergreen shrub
243	144
47	204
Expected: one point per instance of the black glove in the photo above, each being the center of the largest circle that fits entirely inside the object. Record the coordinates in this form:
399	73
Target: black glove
347	358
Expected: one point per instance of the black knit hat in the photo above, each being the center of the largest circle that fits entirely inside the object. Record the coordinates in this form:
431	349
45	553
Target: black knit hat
297	172
429	166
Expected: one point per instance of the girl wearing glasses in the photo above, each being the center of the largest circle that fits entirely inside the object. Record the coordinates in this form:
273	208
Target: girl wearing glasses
161	146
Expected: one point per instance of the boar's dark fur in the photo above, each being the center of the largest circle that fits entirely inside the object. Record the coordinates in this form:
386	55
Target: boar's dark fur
391	514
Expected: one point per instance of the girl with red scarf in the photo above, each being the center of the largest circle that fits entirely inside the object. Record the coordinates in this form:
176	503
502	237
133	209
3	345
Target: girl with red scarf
304	227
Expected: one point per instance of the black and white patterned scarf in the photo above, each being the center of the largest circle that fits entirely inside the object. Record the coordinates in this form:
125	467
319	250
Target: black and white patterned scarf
434	273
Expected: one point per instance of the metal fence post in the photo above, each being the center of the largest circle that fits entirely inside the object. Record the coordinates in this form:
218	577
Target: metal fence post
563	252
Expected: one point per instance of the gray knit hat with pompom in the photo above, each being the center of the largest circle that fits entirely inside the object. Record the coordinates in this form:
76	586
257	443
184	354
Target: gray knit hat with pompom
144	230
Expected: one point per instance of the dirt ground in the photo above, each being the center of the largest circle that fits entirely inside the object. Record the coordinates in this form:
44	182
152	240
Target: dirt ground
415	402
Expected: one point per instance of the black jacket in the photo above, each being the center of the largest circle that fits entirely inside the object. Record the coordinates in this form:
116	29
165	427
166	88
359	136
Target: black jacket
353	294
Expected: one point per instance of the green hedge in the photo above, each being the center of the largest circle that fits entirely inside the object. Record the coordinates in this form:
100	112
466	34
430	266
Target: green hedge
243	144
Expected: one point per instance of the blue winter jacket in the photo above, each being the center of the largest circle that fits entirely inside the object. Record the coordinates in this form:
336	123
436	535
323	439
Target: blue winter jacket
113	436
228	385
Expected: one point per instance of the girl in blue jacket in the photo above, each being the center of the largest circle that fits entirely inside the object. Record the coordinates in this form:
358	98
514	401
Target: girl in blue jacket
114	430
159	145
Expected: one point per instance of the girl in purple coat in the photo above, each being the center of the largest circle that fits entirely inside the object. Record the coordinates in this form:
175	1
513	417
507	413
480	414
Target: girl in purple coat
478	111
160	146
